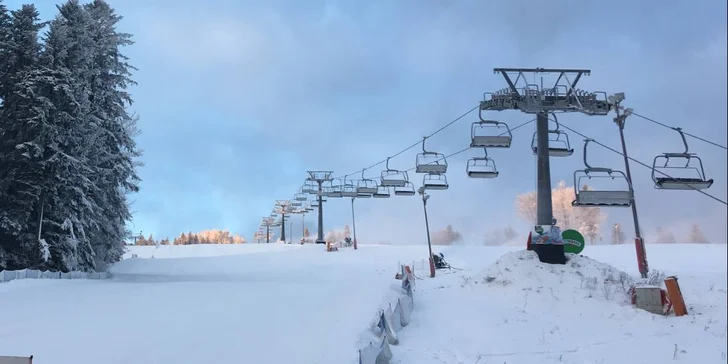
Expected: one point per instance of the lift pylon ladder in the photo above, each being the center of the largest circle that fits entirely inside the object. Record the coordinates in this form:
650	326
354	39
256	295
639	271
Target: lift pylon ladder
559	145
430	162
694	181
435	181
366	185
490	133
382	192
481	167
588	197
407	190
393	177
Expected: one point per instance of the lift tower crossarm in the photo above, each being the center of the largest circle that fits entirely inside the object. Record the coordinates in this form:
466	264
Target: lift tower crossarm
562	96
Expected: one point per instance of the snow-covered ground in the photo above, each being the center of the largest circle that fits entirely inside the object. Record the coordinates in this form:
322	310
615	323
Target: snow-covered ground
275	303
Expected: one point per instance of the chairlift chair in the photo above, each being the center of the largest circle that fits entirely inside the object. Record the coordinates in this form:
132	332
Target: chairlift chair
309	187
481	167
392	177
600	198
430	162
364	195
333	190
300	197
348	189
407	190
695	181
382	192
432	181
295	203
558	146
315	204
366	185
490	134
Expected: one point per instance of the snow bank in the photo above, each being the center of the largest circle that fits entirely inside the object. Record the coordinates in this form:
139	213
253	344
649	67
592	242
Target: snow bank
580	277
511	308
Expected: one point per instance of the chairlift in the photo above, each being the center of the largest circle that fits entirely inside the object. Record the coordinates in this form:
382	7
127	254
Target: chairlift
333	190
490	134
407	190
364	195
301	196
481	167
693	180
382	192
295	203
559	145
366	185
434	181
393	178
430	162
309	187
587	197
348	189
315	204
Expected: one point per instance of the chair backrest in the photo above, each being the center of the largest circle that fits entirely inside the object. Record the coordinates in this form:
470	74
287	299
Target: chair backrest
16	359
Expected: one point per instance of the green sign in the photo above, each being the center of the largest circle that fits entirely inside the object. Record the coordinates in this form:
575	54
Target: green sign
573	241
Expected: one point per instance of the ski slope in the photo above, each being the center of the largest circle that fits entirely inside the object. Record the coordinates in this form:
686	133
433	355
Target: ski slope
274	303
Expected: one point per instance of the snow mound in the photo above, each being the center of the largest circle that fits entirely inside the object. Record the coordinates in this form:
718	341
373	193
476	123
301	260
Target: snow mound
580	276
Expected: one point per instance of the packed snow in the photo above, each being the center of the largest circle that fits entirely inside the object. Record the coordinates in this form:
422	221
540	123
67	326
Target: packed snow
276	303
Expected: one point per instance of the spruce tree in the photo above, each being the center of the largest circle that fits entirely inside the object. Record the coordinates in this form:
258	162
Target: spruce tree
114	160
23	121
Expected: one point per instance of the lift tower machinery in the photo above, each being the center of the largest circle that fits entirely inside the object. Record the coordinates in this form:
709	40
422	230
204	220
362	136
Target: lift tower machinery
557	95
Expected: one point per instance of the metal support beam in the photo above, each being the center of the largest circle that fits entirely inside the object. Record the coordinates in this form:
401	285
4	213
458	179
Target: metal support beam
353	222
544	208
320	232
425	197
283	227
320	177
638	241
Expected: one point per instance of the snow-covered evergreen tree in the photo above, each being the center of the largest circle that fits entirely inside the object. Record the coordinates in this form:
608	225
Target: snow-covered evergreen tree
67	154
116	153
23	121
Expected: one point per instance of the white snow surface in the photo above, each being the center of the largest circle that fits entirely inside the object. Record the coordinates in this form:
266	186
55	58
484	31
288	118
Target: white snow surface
276	303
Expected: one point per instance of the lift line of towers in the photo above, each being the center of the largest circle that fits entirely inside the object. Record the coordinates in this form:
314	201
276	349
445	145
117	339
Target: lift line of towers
529	98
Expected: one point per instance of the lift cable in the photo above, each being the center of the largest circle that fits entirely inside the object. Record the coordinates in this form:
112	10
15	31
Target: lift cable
418	142
641	163
673	128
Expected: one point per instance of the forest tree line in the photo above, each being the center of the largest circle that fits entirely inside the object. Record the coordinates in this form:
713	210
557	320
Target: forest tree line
68	157
213	236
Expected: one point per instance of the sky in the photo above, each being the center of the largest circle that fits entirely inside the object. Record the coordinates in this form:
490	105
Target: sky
238	99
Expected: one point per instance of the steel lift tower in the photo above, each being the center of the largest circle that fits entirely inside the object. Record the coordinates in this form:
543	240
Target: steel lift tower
282	208
558	95
320	177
